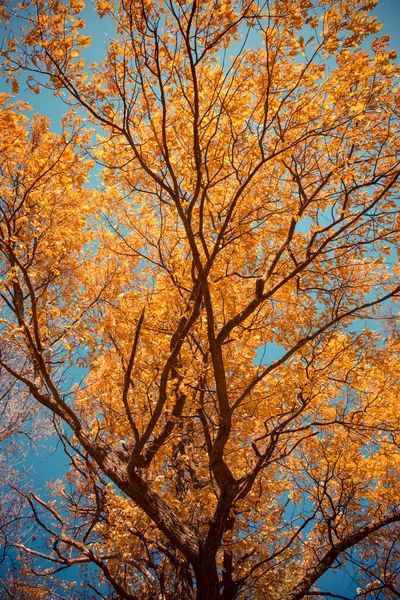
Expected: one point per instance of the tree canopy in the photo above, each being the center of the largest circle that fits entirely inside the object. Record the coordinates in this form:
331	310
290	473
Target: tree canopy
213	328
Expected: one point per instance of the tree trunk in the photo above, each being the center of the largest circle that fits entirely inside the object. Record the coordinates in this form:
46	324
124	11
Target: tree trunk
207	582
183	585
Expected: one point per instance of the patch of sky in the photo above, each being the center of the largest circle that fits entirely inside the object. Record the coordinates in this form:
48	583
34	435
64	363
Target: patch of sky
268	353
304	225
45	463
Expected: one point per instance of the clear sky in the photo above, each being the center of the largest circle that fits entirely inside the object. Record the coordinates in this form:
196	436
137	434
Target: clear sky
388	12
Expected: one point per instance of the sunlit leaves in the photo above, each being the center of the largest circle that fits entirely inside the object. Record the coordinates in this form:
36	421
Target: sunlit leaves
217	288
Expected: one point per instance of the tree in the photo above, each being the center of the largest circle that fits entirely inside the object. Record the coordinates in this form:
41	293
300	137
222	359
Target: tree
249	203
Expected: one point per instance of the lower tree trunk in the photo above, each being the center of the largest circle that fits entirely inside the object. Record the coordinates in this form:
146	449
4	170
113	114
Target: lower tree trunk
207	582
183	585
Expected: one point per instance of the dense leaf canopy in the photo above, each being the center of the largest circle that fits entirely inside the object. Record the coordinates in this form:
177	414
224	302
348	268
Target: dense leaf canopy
228	293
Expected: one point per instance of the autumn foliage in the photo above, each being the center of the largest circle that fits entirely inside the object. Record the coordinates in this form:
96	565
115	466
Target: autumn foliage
212	328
